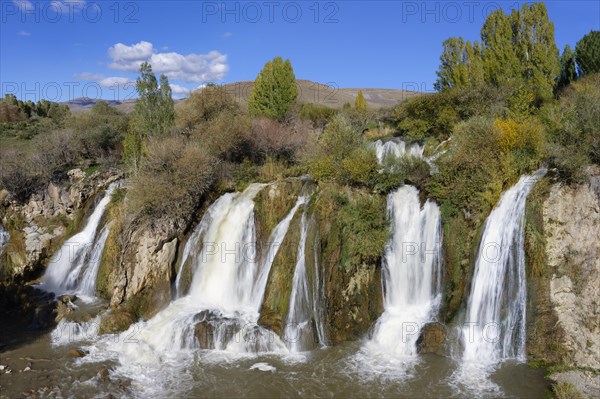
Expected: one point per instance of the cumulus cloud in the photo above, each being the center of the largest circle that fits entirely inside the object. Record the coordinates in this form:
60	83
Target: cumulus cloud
23	5
190	68
179	90
114	81
88	76
23	33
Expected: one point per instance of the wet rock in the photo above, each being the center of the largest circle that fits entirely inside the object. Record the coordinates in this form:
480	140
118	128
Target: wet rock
432	339
64	306
76	353
213	330
117	320
103	375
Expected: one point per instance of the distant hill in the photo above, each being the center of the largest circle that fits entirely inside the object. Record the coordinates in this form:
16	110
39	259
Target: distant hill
329	94
308	92
83	104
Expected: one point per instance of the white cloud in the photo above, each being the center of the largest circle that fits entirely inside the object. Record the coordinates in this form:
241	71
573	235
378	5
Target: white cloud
88	76
23	5
114	81
23	33
227	34
176	89
190	68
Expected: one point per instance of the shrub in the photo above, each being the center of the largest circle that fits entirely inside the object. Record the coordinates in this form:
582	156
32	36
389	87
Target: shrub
204	105
319	115
573	136
172	178
224	136
360	167
269	137
20	176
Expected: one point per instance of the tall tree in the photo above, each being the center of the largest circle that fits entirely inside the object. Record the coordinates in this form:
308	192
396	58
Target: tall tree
568	69
155	109
587	53
501	63
274	91
360	103
533	35
452	71
154	113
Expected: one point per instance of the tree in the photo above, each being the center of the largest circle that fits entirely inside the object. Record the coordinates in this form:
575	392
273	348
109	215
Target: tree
568	69
587	53
360	103
155	109
154	113
533	35
274	91
516	50
452	71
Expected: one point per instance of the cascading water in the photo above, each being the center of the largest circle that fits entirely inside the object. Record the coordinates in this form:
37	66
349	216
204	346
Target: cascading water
304	323
69	269
494	328
87	283
4	238
225	293
411	266
411	272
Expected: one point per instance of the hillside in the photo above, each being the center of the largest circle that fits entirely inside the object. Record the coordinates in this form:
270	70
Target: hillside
308	92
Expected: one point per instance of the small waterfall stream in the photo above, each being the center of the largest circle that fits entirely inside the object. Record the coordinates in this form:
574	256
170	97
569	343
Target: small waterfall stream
494	328
304	324
4	238
74	266
411	266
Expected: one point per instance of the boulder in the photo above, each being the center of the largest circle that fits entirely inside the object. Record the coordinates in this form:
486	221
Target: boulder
433	339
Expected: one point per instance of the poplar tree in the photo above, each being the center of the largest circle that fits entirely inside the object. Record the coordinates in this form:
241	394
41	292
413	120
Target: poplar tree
587	53
274	91
360	103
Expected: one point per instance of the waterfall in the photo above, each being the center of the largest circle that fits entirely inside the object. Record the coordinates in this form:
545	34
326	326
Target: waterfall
71	265
411	266
494	328
227	287
299	330
4	238
87	284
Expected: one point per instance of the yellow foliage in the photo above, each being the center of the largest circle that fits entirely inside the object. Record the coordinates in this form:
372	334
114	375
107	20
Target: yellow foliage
509	134
524	134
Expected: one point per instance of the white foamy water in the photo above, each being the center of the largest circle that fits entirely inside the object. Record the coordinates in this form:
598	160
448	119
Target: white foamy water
411	273
226	292
68	268
494	328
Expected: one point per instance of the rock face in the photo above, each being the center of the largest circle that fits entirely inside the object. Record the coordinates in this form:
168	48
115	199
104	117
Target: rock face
572	225
38	227
138	279
433	339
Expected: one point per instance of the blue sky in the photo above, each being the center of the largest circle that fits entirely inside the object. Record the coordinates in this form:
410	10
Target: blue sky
71	48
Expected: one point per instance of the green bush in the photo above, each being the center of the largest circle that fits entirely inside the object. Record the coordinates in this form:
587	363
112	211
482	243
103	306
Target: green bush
319	115
572	128
361	220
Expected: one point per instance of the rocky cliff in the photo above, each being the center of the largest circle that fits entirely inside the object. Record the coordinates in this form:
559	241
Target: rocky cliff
564	325
38	227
